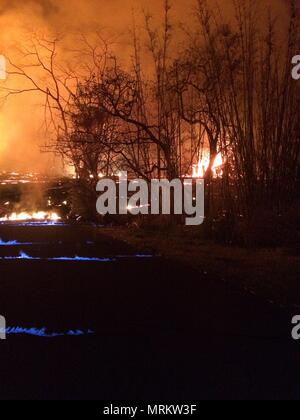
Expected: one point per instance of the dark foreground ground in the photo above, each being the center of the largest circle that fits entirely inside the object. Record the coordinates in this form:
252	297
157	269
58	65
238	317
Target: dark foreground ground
161	331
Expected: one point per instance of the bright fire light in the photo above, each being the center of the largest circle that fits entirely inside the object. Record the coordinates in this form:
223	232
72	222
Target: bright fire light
3	74
201	167
25	216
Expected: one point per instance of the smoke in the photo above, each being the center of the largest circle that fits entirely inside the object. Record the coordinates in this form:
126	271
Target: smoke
21	118
45	7
31	199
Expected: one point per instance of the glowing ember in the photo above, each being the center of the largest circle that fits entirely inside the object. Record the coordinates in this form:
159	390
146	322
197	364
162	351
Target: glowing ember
199	170
27	216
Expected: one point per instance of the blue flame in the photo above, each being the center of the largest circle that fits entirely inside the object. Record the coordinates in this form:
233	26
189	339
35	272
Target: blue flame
9	243
15	243
84	259
33	224
24	256
42	332
135	256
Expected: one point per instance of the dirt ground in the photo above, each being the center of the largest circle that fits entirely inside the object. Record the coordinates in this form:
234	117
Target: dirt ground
270	273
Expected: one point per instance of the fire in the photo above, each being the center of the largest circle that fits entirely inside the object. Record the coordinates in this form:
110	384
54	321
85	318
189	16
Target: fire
201	167
35	216
2	67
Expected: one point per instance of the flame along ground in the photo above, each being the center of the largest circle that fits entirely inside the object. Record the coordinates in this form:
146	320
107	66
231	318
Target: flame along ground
41	216
198	171
43	333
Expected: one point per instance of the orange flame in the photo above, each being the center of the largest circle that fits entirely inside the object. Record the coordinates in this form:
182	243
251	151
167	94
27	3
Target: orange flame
36	216
199	170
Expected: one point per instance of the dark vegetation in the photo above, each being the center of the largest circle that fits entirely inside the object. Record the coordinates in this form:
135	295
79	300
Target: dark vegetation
226	90
161	328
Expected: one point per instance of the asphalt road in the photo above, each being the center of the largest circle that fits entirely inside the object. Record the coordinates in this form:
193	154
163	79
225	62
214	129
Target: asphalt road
157	330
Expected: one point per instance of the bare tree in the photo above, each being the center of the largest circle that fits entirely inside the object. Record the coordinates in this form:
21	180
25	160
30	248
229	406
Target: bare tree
235	82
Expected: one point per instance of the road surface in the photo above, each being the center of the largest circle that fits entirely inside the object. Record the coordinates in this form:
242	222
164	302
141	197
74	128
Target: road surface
154	329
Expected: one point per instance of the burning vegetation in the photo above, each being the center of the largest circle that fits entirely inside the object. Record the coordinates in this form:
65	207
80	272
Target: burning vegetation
32	197
222	106
35	216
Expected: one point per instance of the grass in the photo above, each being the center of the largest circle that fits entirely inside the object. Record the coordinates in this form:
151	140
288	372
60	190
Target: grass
272	274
